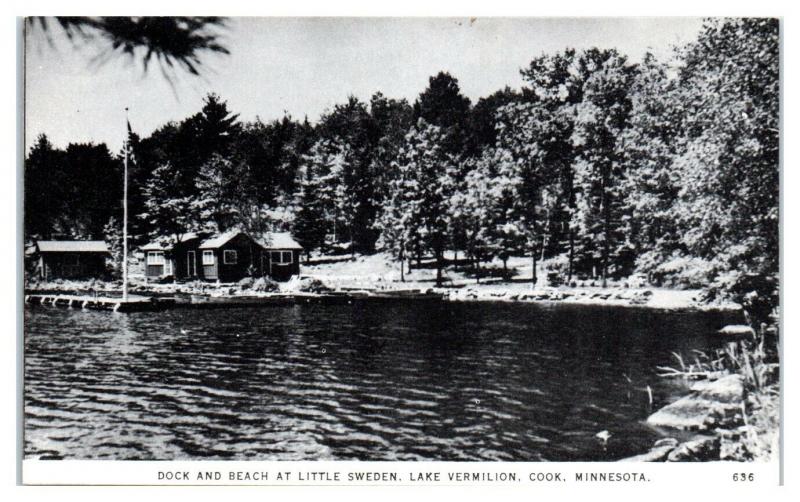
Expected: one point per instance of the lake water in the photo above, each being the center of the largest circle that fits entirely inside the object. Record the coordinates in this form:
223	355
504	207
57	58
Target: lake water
449	381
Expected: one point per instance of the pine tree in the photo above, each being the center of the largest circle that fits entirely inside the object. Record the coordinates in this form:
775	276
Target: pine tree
309	225
169	212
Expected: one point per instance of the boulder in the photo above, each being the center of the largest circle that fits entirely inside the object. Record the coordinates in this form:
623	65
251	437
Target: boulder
656	454
313	285
666	442
246	283
265	285
737	330
716	403
698	449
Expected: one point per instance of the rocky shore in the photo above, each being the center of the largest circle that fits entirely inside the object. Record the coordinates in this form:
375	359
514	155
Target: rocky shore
657	298
614	296
715	410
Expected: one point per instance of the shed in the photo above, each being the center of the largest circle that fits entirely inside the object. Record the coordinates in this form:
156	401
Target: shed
280	258
72	259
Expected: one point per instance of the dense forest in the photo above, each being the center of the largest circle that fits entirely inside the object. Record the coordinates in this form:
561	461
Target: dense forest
601	166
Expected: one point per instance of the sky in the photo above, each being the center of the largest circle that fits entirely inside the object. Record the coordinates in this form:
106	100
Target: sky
304	66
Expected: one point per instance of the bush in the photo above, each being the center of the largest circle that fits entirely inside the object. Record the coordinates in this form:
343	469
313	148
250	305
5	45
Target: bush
557	269
682	272
246	283
309	285
265	285
757	294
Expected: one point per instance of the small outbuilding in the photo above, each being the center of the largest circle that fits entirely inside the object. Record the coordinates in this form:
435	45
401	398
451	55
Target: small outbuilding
280	258
72	259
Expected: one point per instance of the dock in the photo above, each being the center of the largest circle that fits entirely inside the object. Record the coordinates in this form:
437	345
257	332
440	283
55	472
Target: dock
133	303
138	303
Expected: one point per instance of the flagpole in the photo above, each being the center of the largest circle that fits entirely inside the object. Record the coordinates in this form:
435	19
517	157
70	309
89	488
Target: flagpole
125	215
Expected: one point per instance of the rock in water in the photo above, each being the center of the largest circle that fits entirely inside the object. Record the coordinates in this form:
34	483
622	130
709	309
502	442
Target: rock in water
666	442
717	403
698	449
737	330
657	454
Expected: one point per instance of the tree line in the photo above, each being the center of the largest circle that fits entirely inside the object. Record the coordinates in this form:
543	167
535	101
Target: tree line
600	165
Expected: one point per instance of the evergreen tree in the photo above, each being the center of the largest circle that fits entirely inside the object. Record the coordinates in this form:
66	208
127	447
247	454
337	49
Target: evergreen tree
309	226
169	212
442	104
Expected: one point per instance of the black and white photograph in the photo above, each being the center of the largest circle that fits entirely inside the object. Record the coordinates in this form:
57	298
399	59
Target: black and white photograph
449	239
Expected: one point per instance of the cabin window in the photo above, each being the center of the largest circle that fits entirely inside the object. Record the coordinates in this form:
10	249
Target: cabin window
155	258
281	257
229	257
168	267
208	257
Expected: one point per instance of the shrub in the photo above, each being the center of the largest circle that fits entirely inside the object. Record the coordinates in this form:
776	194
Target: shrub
309	285
680	271
265	285
246	283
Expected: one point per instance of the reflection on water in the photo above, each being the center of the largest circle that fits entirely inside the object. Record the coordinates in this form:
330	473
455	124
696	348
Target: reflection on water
385	382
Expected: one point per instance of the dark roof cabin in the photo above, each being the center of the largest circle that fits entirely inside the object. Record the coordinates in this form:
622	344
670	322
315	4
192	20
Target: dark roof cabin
230	257
179	260
226	257
72	259
280	258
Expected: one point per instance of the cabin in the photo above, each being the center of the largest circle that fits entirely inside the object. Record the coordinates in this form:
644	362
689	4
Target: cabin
226	257
280	257
72	259
230	257
173	258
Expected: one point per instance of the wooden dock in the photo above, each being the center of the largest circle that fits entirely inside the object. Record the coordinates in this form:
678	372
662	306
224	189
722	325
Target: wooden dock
134	303
137	303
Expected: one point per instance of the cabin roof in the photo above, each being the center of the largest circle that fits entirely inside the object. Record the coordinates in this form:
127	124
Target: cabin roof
220	240
164	243
279	240
269	240
72	247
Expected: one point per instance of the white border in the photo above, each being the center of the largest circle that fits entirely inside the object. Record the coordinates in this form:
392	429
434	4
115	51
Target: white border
703	485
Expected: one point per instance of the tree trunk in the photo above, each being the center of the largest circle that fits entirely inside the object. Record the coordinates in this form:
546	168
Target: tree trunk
606	223
455	260
402	265
439	256
571	254
533	264
352	245
477	268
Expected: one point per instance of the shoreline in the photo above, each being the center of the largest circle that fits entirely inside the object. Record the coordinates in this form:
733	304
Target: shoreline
506	292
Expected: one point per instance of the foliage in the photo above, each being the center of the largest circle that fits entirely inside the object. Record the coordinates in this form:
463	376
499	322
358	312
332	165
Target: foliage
668	169
170	42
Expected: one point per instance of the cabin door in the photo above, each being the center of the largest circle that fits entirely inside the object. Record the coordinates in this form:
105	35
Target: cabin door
191	264
264	264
